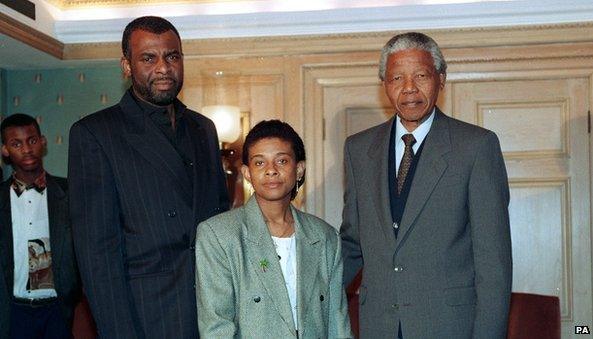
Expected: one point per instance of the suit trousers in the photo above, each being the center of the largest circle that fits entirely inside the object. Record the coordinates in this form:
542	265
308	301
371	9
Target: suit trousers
45	322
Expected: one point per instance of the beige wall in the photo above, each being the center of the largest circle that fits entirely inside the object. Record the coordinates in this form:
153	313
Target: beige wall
532	85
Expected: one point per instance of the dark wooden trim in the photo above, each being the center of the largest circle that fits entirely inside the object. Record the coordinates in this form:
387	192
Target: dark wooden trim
30	36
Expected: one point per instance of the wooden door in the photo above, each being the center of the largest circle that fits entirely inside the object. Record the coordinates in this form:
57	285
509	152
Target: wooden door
542	127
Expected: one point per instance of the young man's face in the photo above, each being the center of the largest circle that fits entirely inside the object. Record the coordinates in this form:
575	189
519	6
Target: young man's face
24	146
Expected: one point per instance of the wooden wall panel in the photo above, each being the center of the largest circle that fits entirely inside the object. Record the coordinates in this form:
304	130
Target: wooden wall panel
532	85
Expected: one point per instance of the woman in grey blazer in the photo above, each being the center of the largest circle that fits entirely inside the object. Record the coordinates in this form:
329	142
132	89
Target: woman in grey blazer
268	270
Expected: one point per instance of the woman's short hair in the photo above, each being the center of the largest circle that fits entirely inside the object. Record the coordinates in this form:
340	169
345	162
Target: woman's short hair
276	129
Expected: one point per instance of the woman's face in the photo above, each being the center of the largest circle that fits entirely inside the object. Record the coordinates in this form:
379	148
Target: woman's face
272	169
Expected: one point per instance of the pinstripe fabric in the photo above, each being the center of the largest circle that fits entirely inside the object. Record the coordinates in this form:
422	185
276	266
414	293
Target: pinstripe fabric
134	214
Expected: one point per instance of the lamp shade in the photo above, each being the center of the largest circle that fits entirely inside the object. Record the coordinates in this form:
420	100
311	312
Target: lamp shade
227	120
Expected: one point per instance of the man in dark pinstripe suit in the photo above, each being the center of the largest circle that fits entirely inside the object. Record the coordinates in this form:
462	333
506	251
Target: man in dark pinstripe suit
143	174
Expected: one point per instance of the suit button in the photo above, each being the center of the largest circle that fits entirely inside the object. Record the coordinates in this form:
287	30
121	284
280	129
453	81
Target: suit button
398	269
257	299
172	213
395	306
321	298
192	247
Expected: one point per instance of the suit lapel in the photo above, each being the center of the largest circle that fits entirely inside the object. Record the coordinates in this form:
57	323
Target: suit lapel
260	252
307	263
378	167
6	245
56	199
150	142
429	170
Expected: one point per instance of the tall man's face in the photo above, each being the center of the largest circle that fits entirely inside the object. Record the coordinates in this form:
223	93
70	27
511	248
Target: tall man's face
412	85
156	66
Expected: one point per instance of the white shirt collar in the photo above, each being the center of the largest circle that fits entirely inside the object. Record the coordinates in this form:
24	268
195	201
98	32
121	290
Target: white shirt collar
419	133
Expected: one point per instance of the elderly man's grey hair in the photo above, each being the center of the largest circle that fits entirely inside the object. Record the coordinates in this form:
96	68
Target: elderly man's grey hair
412	40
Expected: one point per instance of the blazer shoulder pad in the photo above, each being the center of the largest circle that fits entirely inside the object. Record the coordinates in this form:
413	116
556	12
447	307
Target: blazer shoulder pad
62	182
200	118
369	134
466	129
317	224
112	113
227	220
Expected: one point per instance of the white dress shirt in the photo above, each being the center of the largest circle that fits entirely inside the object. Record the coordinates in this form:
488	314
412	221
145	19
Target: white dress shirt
33	277
286	250
419	134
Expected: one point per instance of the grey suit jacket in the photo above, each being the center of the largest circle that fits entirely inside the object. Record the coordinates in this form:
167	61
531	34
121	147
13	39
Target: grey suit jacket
64	268
238	298
448	273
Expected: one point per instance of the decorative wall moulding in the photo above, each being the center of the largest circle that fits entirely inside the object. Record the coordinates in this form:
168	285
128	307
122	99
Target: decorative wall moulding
459	45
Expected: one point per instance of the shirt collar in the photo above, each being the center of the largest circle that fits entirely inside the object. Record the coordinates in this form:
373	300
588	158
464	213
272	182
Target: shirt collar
150	109
39	184
419	133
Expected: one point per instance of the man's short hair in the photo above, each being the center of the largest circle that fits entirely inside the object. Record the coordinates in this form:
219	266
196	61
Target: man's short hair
152	24
18	120
412	40
276	129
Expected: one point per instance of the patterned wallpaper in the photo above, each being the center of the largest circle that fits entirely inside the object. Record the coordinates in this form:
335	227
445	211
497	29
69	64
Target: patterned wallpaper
2	93
2	106
57	98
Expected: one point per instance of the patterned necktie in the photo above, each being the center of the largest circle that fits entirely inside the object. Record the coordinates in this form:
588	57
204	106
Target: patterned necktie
406	163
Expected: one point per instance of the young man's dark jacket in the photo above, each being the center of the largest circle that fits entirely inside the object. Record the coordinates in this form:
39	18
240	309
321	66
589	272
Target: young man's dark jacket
64	268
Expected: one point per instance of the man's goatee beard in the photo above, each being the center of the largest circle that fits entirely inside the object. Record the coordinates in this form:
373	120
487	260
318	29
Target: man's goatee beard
162	98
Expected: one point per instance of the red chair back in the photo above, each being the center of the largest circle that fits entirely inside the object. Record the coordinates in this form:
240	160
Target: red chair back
534	316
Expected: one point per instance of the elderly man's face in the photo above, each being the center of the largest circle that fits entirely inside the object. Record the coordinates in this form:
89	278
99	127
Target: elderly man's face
412	85
155	65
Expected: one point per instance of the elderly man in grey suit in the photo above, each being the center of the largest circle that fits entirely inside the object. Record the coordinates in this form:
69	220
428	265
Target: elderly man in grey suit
426	211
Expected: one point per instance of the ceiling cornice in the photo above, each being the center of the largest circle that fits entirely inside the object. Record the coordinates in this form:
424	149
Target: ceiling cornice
30	36
527	38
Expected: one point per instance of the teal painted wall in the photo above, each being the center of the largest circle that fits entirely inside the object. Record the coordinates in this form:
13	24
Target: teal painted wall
57	98
2	108
2	92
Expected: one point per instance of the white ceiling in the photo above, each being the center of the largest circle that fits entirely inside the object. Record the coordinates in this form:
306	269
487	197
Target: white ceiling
223	19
